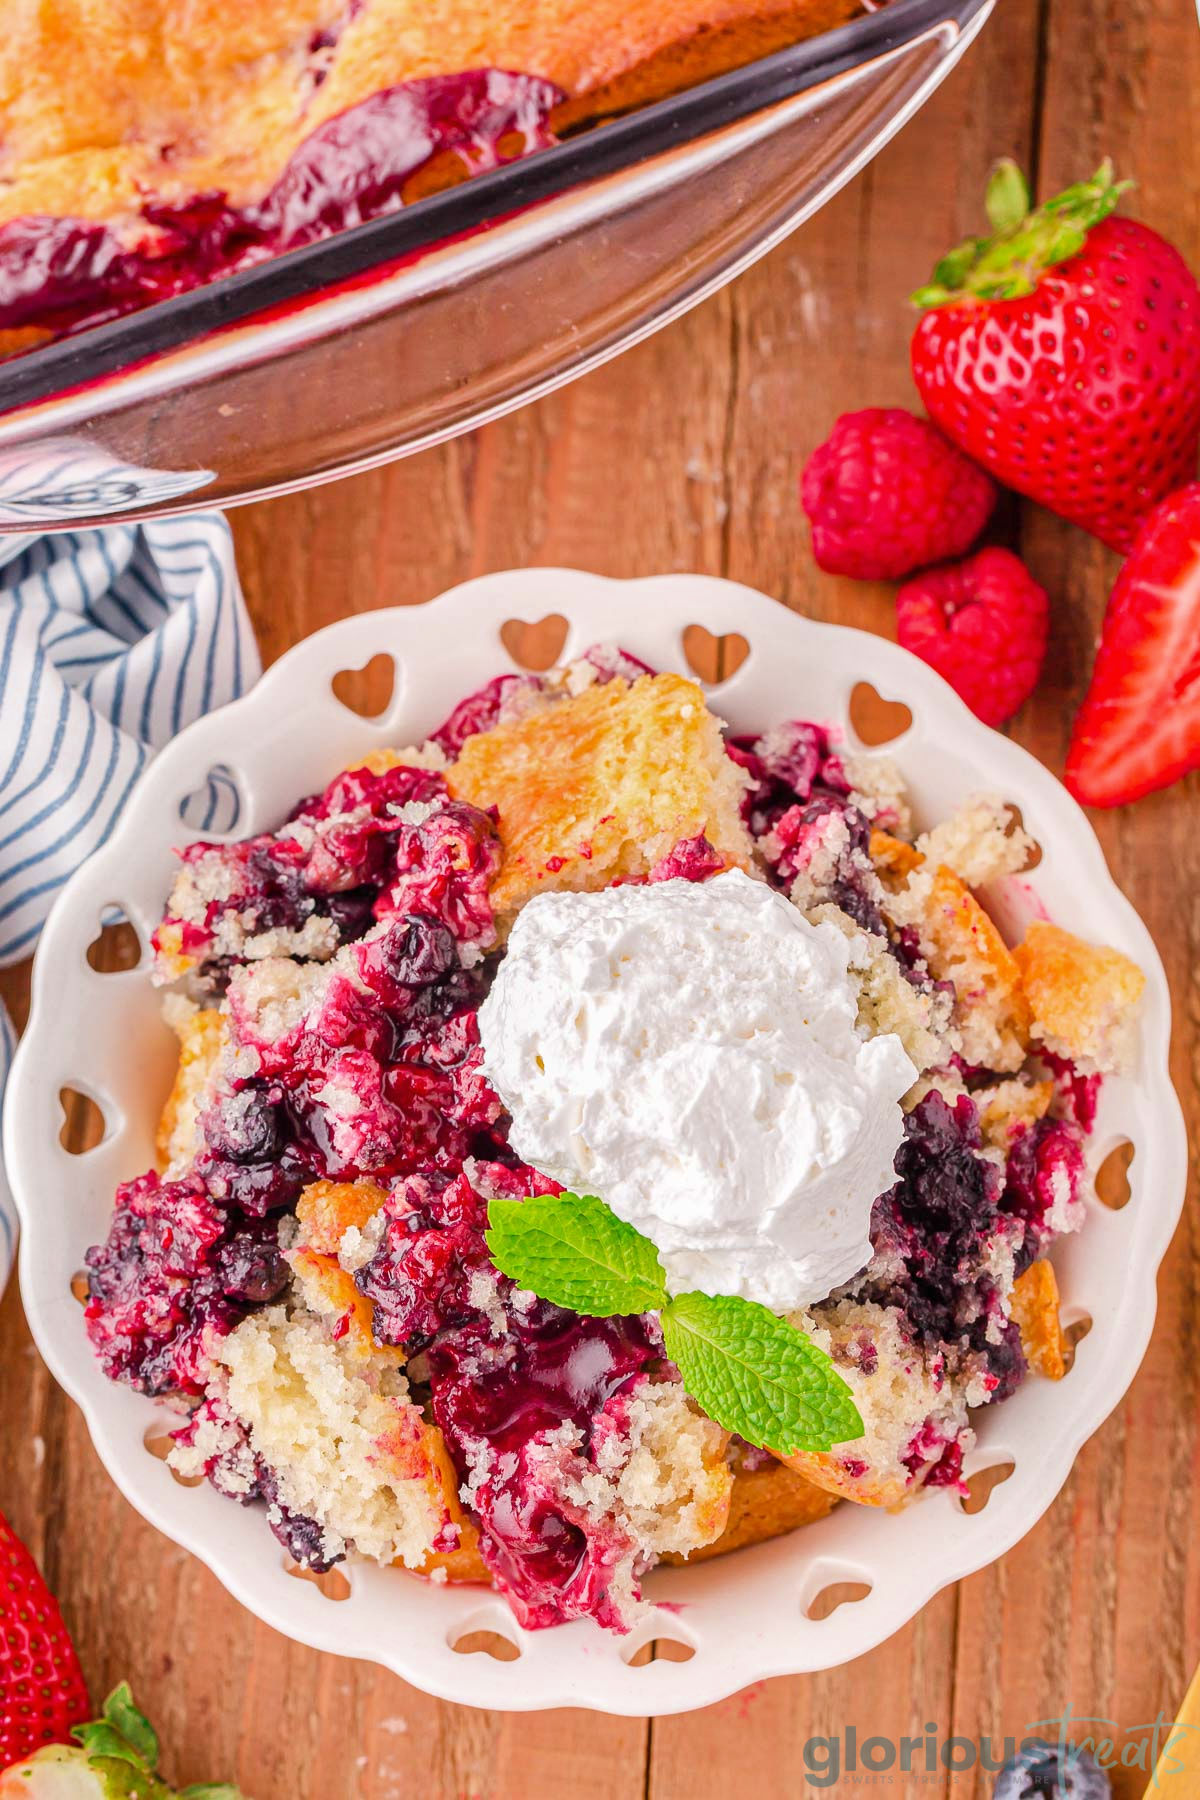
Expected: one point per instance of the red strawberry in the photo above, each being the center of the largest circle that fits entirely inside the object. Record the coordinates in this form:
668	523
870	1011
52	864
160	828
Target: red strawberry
42	1692
1063	354
1139	726
887	494
982	625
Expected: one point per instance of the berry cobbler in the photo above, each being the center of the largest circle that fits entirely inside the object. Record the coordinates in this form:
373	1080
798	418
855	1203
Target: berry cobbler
459	977
149	146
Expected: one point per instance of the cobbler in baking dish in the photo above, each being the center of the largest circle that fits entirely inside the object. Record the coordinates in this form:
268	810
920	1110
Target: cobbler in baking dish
148	146
306	1276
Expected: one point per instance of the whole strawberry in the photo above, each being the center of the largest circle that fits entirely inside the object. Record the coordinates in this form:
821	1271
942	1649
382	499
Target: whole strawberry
1139	726
982	625
1063	354
887	494
42	1691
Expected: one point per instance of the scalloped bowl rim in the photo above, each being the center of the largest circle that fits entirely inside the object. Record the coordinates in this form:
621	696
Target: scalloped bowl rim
743	1617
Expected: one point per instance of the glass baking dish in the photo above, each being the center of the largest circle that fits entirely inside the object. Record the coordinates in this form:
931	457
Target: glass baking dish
409	329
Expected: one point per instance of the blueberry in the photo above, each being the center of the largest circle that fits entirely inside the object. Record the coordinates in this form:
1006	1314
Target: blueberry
300	1536
419	950
857	826
251	1268
1040	1771
257	1188
248	1128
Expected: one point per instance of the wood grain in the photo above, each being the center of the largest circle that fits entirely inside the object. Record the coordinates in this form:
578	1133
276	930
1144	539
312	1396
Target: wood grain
684	455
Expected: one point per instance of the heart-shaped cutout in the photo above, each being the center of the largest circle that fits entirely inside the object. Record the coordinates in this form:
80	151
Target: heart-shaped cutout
487	1643
660	1649
1112	1177
535	645
332	1584
877	720
84	1124
214	808
835	1594
367	691
160	1442
116	945
713	659
983	1483
1074	1332
1015	823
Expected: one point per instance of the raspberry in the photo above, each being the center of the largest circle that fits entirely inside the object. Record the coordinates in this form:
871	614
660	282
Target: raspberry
887	494
982	625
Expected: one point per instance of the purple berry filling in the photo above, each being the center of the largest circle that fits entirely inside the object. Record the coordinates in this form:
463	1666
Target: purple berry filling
175	1271
1042	1181
1079	1093
935	1235
372	847
797	783
693	860
64	274
498	1393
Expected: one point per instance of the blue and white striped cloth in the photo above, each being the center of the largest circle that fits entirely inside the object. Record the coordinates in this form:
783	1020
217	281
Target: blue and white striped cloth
111	641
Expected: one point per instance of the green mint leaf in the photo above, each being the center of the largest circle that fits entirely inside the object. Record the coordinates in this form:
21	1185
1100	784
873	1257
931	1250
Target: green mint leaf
572	1250
757	1375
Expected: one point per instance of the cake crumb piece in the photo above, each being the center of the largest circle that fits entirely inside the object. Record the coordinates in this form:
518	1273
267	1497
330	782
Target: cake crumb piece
1083	998
981	841
344	1442
1035	1308
604	785
962	945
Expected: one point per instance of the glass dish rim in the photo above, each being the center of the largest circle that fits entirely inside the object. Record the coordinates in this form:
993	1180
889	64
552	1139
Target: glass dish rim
112	349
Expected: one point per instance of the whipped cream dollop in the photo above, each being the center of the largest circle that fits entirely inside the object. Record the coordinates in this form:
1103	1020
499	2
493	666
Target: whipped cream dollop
689	1051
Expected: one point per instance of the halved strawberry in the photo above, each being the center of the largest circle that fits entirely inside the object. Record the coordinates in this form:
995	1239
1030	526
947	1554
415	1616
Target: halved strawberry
1139	726
115	1758
42	1690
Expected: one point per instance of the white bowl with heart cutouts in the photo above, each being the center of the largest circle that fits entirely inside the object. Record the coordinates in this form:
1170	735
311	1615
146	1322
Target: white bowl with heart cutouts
742	1617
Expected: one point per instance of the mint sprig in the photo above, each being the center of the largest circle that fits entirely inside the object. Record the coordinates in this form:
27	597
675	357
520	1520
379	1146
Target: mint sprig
752	1372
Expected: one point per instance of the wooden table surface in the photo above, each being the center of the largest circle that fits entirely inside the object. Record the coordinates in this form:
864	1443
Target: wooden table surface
684	455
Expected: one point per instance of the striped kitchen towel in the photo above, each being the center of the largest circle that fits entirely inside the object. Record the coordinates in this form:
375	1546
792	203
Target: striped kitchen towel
110	642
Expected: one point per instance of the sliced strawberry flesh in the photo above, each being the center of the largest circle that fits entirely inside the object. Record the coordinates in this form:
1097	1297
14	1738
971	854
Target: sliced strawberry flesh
1139	726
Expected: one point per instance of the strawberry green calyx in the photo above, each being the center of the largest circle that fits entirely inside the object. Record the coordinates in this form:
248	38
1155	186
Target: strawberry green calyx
115	1757
1024	241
